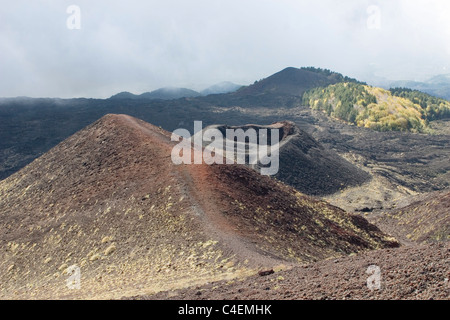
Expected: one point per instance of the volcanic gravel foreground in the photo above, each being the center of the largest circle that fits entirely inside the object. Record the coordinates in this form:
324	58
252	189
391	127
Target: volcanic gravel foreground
418	272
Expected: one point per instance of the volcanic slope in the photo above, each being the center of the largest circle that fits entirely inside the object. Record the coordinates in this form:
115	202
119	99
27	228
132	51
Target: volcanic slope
110	201
292	81
426	218
303	162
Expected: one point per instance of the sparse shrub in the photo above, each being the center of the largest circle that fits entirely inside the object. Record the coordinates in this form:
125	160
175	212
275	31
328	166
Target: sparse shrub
110	249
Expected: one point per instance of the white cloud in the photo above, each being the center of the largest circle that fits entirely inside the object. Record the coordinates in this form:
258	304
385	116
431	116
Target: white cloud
142	45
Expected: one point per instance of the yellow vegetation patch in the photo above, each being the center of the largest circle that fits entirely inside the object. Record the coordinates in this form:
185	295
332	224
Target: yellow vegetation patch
110	249
95	257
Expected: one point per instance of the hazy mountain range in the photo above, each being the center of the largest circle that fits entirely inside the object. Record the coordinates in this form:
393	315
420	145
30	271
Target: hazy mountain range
170	93
438	86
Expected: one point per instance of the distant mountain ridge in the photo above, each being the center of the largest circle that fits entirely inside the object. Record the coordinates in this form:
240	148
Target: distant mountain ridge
222	87
109	200
289	81
171	93
168	93
438	86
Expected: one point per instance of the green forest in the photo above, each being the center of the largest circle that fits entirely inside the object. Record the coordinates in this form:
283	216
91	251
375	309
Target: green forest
397	109
327	73
339	100
433	108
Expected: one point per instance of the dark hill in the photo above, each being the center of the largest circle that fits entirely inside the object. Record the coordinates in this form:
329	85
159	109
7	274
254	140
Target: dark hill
305	164
124	95
293	81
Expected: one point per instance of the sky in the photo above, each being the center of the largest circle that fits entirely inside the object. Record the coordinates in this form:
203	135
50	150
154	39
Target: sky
78	48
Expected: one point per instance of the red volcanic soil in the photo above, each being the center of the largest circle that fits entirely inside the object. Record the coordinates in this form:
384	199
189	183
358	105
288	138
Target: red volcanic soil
110	201
418	272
